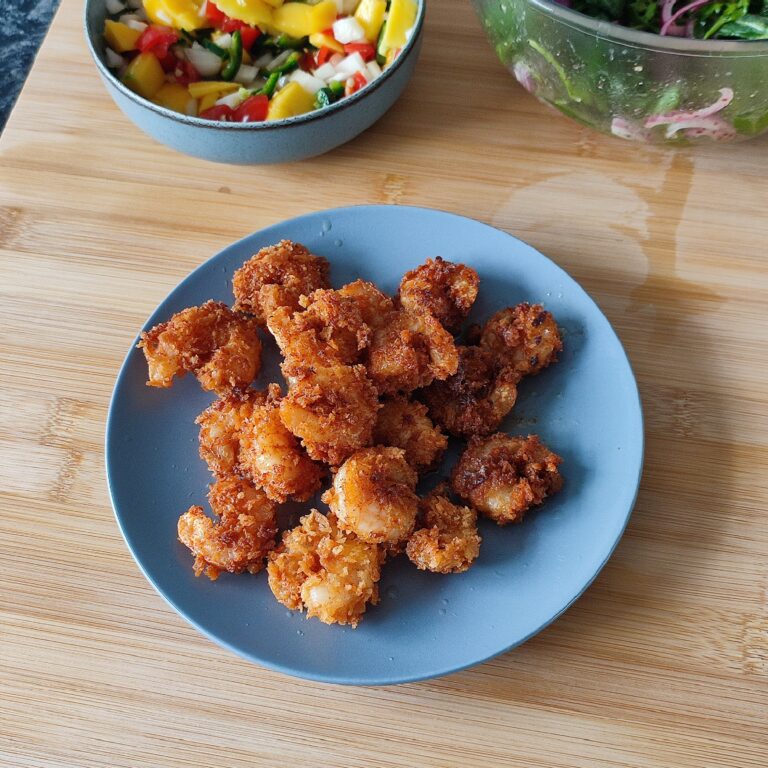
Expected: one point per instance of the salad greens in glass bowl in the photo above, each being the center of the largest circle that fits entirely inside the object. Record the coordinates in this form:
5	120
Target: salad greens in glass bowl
655	71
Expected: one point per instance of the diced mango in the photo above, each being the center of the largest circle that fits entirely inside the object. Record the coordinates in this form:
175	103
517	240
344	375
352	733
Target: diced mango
320	40
300	19
144	75
274	3
370	14
402	16
182	14
176	97
207	101
290	101
120	37
204	87
254	12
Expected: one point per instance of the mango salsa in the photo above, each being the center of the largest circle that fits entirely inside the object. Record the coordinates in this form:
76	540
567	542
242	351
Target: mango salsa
370	14
255	12
301	20
176	97
181	14
321	40
205	87
402	16
120	37
144	75
290	101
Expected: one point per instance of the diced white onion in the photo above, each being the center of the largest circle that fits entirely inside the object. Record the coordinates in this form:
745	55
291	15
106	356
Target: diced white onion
282	81
409	33
348	30
326	72
224	41
232	100
127	17
336	59
246	73
139	26
374	70
306	81
263	60
114	60
206	63
114	6
353	63
278	60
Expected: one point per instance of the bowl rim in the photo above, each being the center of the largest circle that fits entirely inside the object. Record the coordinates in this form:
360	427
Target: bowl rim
264	125
635	38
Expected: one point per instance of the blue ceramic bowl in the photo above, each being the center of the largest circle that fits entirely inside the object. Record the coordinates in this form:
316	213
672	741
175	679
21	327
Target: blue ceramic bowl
278	141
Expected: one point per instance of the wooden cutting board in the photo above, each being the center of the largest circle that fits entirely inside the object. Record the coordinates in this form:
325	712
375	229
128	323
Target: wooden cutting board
662	663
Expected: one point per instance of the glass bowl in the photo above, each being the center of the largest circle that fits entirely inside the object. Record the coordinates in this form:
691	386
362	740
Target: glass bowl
634	85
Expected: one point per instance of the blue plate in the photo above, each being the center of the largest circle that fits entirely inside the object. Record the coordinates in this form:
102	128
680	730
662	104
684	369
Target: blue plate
586	408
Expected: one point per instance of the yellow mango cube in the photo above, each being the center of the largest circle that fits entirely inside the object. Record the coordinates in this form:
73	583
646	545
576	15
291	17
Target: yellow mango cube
181	14
120	37
290	101
370	14
144	75
320	40
301	20
207	101
204	87
254	12
402	16
176	97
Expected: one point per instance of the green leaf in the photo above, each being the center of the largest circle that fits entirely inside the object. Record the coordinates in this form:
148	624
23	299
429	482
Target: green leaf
749	27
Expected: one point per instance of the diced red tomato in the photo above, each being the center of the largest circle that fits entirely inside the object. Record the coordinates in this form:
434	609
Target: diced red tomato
323	55
168	62
218	112
366	50
307	61
248	34
252	110
213	14
186	73
157	39
355	83
329	31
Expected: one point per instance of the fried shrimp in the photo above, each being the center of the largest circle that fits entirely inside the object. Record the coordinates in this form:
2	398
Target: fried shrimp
404	423
475	400
276	277
444	289
330	330
219	346
272	457
446	541
374	305
374	495
243	434
525	337
241	538
503	476
332	410
409	351
331	574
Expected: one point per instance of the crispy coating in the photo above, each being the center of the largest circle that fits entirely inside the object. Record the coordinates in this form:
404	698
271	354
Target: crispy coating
374	495
276	277
375	306
331	574
503	476
329	331
243	434
444	289
219	346
404	423
526	337
475	400
241	538
409	351
447	540
332	410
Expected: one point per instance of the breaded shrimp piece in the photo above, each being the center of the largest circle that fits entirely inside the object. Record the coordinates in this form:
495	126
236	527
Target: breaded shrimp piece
276	277
444	289
475	400
375	306
525	337
330	330
331	574
332	410
446	541
404	423
409	351
503	476
374	495
241	538
219	346
272	457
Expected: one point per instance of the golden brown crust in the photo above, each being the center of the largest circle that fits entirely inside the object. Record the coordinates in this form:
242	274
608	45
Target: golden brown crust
503	476
475	400
444	289
331	574
276	277
410	351
374	495
404	423
332	410
375	306
447	540
219	346
525	337
241	538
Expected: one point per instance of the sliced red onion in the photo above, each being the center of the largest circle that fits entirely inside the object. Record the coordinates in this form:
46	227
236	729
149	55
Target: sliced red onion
670	18
524	76
712	126
681	116
624	129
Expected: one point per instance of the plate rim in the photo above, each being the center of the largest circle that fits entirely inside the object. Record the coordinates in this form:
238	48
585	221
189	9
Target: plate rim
374	680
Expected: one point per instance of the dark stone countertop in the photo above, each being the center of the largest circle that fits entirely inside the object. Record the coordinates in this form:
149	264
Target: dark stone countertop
23	27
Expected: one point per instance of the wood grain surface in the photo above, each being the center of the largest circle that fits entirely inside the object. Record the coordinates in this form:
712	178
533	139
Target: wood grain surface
662	663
